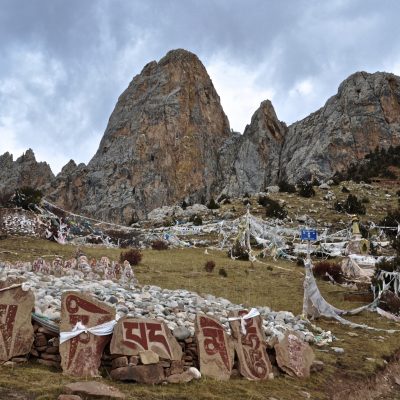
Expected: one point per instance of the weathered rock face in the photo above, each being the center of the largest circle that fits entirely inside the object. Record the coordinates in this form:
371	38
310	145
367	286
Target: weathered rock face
364	114
161	145
25	171
256	155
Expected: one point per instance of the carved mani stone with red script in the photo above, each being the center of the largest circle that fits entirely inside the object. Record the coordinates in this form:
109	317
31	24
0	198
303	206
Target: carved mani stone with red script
16	331
132	335
294	356
81	355
215	348
254	363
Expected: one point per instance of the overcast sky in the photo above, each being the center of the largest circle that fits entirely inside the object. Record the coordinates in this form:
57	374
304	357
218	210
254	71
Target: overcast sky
63	63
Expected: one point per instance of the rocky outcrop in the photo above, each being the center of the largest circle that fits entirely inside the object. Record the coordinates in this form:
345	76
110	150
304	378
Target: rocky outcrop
256	155
25	171
363	115
161	145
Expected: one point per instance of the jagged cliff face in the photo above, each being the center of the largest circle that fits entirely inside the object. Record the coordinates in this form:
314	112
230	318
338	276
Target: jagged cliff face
25	171
168	139
364	114
161	145
256	155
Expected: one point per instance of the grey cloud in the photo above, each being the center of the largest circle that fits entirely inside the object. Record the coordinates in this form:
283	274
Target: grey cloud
91	50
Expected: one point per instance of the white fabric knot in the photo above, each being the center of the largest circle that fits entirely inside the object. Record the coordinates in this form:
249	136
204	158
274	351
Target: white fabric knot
251	314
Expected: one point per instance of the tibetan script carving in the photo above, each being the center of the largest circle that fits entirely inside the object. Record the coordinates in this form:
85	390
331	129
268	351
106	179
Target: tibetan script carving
132	335
294	356
81	355
254	363
16	331
215	348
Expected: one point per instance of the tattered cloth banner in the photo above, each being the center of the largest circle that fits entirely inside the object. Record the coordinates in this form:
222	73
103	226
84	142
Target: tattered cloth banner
314	305
98	330
251	314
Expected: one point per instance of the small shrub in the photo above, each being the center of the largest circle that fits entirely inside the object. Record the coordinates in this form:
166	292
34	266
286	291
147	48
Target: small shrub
286	187
365	200
321	269
222	273
246	195
398	193
273	209
184	205
352	206
239	252
133	256
345	190
196	220
159	245
306	189
209	266
212	204
246	202
27	198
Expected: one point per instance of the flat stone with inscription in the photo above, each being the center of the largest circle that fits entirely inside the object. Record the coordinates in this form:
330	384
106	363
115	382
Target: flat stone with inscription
134	335
81	355
16	331
215	348
250	347
294	356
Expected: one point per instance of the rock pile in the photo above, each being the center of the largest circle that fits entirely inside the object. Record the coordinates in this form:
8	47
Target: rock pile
45	347
156	334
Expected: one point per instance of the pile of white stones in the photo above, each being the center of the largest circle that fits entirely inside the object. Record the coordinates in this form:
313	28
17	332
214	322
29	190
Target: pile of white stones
177	308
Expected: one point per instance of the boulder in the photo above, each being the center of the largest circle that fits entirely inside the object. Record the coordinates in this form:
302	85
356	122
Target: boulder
93	390
148	374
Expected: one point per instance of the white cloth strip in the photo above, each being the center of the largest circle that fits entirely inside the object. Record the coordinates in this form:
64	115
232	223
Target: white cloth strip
251	314
98	330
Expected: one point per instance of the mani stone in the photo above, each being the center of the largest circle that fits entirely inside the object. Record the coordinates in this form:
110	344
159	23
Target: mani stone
148	374
134	335
294	356
16	330
81	355
250	347
216	354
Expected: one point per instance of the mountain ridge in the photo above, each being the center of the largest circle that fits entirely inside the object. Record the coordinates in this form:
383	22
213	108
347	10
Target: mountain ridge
168	140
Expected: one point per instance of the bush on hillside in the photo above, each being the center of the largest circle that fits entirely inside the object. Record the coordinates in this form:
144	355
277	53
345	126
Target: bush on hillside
212	204
133	256
27	198
286	187
209	266
305	189
160	245
324	268
391	221
196	220
273	209
351	206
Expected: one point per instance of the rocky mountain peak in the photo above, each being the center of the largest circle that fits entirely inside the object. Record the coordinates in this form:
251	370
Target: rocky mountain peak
161	144
25	171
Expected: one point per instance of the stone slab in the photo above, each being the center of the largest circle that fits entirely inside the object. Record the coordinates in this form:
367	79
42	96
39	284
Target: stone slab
16	330
216	354
133	335
148	374
250	348
294	356
81	356
93	390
